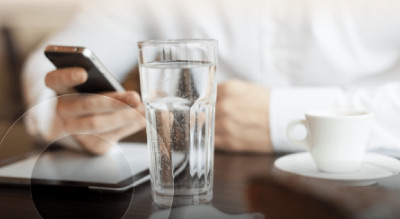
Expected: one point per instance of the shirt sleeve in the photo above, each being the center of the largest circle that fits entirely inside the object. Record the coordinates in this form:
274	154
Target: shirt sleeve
291	103
114	42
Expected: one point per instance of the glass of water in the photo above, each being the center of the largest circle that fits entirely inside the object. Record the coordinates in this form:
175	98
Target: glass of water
178	86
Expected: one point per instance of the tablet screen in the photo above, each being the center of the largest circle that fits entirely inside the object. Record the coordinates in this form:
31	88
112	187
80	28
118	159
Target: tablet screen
125	165
65	167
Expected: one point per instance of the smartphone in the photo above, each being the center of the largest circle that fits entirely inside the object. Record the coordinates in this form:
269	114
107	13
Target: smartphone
99	78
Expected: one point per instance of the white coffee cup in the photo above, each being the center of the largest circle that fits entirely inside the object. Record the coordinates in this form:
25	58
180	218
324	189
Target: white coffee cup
336	140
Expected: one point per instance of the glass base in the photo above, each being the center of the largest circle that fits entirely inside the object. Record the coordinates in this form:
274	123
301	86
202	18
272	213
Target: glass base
165	201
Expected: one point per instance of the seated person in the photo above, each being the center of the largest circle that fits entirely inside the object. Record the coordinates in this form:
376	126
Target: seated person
277	59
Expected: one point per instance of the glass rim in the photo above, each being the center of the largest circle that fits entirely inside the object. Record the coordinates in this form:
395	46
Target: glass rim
176	42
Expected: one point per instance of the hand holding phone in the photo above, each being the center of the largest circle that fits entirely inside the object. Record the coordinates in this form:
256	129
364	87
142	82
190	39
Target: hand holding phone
99	78
104	118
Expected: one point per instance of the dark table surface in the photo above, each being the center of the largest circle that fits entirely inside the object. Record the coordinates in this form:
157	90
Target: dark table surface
243	183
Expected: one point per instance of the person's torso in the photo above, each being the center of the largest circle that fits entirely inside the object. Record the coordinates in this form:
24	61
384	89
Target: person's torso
284	42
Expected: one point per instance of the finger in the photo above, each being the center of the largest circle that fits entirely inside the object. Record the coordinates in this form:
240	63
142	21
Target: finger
223	126
220	143
94	144
221	111
125	131
100	123
88	104
165	118
100	144
63	79
161	125
131	98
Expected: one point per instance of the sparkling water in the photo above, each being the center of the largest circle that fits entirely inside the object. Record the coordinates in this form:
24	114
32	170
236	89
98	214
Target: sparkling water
180	106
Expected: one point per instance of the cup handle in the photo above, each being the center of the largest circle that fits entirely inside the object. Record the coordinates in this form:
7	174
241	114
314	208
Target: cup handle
289	131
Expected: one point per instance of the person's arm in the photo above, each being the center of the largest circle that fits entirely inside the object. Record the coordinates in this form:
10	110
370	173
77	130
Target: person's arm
242	117
115	46
291	103
252	118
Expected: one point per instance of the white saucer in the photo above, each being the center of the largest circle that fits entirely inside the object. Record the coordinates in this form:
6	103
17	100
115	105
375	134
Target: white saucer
374	167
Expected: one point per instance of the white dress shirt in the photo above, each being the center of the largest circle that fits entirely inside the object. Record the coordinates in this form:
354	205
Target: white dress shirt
312	54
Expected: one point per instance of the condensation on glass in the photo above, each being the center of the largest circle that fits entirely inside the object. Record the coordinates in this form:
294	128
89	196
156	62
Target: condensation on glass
178	86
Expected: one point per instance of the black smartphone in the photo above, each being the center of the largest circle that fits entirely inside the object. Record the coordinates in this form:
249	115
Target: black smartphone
99	78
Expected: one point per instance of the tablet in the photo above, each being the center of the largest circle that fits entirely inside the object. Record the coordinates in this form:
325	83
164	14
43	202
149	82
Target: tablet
125	166
23	163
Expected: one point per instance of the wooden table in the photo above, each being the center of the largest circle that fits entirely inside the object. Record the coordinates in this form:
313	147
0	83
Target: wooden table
243	183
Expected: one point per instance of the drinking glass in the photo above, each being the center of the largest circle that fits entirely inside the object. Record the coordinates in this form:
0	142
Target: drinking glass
178	86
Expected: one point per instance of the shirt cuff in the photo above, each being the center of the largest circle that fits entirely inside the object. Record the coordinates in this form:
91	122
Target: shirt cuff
287	104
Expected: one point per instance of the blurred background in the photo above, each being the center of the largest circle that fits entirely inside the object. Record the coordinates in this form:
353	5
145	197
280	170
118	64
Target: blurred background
23	24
